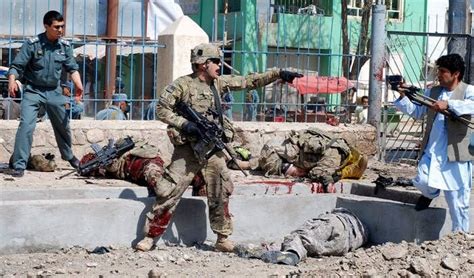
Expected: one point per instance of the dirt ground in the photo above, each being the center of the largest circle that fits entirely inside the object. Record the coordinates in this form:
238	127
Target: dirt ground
452	255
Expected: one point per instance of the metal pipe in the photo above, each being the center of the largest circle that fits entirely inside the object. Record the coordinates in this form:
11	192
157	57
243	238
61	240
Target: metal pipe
377	62
111	47
216	12
64	13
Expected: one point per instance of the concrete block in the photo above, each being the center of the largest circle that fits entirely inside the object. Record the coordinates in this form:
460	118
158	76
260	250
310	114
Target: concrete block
389	221
33	226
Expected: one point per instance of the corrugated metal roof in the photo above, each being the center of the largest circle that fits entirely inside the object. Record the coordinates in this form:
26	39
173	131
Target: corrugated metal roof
99	51
8	44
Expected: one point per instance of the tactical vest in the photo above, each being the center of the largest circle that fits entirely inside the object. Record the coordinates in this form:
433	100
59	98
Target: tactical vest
304	149
201	103
458	133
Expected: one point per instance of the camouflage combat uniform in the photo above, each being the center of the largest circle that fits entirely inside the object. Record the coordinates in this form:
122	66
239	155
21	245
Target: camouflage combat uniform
184	166
141	165
330	234
325	158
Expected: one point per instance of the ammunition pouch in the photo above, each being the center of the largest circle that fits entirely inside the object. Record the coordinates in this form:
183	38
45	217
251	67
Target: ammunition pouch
270	162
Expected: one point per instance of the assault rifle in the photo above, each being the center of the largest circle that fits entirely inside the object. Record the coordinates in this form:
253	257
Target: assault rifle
104	156
211	135
413	93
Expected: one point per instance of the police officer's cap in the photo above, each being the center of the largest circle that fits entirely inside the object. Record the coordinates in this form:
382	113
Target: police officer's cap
120	98
204	51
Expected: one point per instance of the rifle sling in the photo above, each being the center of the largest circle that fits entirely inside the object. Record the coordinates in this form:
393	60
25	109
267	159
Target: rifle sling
217	101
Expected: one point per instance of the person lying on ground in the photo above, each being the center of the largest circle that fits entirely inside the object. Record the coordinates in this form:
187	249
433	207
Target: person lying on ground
332	233
310	153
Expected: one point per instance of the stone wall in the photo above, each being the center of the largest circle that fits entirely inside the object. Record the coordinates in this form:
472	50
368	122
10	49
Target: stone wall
250	134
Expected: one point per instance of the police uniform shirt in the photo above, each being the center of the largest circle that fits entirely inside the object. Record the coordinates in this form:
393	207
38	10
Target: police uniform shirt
40	61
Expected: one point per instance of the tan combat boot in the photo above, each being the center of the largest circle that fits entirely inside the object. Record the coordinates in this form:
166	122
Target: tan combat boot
223	244
145	244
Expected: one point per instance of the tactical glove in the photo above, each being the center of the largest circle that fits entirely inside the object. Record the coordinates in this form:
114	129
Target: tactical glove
289	76
191	129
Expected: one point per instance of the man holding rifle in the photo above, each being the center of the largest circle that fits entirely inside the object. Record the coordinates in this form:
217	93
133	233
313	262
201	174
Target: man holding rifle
446	163
202	91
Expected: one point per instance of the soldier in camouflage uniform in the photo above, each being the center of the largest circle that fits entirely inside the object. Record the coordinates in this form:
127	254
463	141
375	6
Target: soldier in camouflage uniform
330	234
202	90
141	165
40	63
314	154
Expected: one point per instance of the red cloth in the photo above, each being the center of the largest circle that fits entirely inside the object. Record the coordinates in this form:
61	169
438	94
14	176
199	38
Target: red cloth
321	84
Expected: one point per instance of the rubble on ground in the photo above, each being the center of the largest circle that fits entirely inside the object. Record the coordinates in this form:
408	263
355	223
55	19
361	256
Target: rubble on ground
452	255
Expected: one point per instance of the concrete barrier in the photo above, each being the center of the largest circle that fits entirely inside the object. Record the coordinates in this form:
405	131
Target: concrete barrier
50	218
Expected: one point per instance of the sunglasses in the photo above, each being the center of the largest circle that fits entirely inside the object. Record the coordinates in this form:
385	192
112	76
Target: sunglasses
216	61
57	27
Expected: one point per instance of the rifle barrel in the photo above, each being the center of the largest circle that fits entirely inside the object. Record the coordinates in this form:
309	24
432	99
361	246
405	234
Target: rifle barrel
413	95
67	174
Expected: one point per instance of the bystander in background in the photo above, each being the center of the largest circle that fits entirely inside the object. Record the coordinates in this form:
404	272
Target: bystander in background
150	112
361	110
74	106
227	102
252	99
118	110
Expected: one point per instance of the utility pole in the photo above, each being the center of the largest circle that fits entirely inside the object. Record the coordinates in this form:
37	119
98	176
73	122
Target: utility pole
458	23
64	13
377	49
216	22
111	47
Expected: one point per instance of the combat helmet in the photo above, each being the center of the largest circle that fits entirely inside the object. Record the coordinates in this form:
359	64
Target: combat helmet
204	51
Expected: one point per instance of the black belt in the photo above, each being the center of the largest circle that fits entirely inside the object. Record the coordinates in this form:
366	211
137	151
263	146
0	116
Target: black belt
41	88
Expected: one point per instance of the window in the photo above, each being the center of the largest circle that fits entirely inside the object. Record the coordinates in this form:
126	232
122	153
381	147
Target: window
189	7
394	8
311	7
354	8
232	6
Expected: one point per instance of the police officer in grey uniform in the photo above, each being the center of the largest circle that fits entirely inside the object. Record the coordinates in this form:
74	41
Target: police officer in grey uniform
202	90
118	110
40	63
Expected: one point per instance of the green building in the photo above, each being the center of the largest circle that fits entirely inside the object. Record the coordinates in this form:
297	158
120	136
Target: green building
305	34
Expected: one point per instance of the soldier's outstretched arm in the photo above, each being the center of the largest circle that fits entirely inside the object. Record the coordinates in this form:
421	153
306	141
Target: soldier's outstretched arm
256	80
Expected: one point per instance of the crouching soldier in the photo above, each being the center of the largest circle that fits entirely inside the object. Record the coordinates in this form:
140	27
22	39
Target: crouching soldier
143	165
202	91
